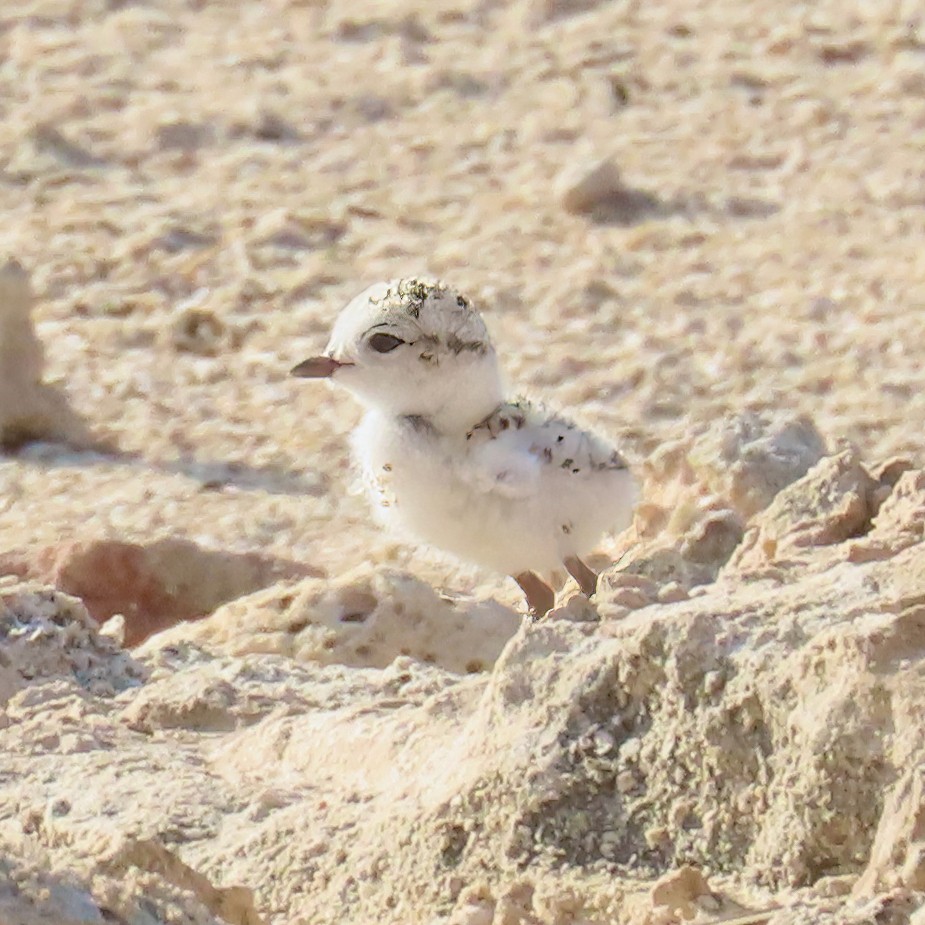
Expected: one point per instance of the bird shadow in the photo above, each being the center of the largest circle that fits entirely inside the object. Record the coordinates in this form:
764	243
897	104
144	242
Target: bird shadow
210	474
630	206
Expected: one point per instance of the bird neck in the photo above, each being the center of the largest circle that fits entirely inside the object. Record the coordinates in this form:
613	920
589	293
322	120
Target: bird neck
453	406
452	421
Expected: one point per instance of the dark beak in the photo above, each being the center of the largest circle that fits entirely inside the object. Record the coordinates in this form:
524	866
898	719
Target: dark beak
316	368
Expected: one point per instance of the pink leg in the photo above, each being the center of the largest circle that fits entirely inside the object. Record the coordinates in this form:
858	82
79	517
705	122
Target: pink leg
540	596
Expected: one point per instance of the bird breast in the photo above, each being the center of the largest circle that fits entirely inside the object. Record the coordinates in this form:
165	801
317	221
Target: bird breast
518	492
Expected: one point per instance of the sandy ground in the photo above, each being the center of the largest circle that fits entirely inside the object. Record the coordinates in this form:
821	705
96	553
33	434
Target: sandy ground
267	160
196	188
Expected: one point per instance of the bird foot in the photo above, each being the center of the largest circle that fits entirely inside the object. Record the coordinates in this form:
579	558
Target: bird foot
586	578
541	598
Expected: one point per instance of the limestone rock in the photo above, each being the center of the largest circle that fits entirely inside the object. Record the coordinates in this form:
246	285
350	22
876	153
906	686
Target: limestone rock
29	409
156	585
700	492
898	855
757	729
830	504
599	190
766	249
749	458
365	619
744	460
47	634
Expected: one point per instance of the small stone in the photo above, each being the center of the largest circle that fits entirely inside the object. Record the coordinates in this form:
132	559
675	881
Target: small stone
73	905
182	136
59	807
626	782
473	913
750	207
577	609
678	890
599	191
611	613
641	583
626	589
709	903
835	885
271	126
177	239
49	140
540	12
619	91
843	52
671	593
114	629
604	742
373	108
196	329
629	598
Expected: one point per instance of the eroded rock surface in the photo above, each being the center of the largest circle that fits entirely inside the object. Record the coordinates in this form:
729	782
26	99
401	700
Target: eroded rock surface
151	586
366	620
698	495
29	408
671	212
766	730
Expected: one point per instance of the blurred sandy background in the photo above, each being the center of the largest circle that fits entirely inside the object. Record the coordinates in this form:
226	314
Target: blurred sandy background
198	187
668	211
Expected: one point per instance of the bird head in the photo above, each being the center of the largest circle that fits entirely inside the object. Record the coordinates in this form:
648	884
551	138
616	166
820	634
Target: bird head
413	348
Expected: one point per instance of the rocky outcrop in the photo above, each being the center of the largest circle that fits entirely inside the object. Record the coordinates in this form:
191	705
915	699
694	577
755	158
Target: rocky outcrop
29	408
365	619
151	586
750	746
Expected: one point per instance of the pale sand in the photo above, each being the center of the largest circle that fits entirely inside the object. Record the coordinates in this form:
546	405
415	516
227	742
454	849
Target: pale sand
196	189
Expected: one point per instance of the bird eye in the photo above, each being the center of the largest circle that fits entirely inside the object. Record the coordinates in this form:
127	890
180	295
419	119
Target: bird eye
384	343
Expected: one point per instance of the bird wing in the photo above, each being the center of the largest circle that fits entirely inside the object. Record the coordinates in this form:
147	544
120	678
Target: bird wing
510	451
503	465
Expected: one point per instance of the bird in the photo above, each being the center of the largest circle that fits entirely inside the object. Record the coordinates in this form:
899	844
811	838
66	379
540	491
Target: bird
451	461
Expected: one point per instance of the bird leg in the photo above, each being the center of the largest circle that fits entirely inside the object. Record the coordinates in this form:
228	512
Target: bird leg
540	596
586	578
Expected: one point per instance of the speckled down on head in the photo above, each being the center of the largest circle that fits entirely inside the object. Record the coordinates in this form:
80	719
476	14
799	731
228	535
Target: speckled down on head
442	315
413	348
450	460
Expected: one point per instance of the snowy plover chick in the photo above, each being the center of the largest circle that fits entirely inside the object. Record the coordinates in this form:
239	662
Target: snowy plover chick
449	460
